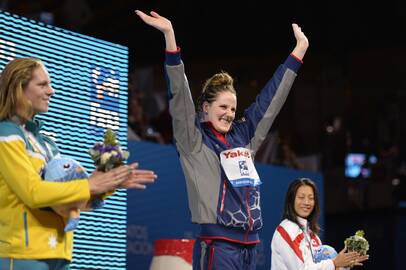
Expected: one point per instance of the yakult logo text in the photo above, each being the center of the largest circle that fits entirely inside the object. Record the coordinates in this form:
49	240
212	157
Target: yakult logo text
238	153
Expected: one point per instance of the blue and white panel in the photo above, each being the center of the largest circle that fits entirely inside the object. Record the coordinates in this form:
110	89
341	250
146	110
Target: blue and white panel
89	76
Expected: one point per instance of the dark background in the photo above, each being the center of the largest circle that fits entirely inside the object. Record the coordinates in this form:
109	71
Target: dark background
353	72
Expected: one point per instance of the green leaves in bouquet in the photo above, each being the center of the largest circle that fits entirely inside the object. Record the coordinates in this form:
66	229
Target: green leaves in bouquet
110	137
357	243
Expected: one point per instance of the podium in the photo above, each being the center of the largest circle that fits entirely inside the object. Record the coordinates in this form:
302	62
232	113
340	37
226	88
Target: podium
172	254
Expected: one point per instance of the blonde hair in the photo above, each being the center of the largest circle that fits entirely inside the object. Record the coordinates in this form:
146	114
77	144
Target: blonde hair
218	83
13	79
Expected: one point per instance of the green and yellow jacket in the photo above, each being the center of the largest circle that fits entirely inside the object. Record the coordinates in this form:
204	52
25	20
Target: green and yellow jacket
27	230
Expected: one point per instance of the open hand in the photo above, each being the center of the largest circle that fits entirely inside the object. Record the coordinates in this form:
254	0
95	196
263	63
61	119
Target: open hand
301	39
138	178
348	259
302	43
155	20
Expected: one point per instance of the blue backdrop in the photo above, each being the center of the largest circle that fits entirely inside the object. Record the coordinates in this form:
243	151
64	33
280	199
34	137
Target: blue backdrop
161	211
89	77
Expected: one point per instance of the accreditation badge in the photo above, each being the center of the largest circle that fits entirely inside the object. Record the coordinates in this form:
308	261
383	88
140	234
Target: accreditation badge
239	167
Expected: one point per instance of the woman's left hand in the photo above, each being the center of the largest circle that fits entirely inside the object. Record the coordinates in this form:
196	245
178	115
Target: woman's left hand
138	178
302	43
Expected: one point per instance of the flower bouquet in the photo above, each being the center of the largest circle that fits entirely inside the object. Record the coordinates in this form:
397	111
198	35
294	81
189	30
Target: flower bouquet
106	156
357	243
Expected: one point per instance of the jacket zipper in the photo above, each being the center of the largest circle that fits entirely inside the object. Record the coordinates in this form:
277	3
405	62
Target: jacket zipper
26	229
223	196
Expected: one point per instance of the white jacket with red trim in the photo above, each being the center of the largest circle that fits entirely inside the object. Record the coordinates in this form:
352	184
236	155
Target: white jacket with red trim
293	249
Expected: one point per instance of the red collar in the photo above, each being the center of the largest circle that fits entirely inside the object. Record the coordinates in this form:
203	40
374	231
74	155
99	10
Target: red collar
220	136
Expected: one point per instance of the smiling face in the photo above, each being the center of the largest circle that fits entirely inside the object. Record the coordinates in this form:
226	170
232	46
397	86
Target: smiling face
221	112
304	201
38	90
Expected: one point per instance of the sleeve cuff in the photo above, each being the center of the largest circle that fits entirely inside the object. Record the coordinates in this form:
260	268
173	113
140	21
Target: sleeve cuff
172	58
293	63
297	58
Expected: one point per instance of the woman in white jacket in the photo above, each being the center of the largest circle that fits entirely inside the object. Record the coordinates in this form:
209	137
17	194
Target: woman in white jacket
296	240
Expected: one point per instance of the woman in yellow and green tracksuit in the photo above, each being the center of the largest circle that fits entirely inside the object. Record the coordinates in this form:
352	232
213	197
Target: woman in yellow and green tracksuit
31	237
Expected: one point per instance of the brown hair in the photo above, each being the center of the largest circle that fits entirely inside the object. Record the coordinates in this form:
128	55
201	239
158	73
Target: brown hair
289	209
218	83
13	79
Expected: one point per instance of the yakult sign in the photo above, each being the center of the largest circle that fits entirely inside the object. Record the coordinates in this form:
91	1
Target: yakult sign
239	167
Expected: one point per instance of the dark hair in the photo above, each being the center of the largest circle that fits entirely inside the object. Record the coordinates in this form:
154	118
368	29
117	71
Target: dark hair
289	209
219	82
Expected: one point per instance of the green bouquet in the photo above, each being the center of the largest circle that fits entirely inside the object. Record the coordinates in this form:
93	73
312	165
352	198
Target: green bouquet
357	243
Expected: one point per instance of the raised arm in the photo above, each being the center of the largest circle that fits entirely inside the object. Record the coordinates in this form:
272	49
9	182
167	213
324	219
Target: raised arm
301	42
162	24
181	105
262	113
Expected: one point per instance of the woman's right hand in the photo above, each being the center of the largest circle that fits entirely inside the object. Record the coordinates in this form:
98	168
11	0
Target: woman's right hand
155	20
162	24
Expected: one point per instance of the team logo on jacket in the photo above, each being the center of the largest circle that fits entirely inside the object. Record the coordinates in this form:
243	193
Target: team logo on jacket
243	168
239	168
52	242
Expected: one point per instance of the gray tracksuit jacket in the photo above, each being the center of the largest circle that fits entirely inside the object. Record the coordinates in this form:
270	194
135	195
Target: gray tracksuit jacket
224	210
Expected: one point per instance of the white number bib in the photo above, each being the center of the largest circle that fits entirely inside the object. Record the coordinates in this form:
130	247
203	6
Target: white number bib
239	168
